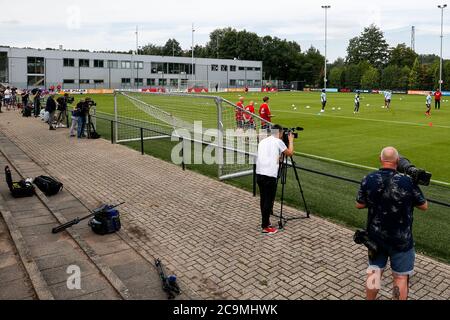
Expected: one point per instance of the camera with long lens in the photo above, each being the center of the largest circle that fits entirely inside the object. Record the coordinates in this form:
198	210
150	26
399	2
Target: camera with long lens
90	102
362	237
287	131
418	176
70	100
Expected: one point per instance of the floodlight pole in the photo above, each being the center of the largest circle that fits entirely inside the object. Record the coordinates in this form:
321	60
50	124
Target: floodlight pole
193	30
442	7
326	36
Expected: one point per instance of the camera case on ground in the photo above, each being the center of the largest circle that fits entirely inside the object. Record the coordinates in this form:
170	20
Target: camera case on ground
19	189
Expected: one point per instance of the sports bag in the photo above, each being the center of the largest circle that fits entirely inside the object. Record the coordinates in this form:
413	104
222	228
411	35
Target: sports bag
106	221
48	185
19	189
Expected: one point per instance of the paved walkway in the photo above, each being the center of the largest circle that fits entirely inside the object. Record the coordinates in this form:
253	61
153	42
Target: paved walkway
207	231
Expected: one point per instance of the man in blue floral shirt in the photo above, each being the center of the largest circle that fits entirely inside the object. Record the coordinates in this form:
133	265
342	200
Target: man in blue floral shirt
390	198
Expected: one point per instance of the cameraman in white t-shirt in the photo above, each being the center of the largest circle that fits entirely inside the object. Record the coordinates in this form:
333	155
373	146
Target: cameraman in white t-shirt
267	167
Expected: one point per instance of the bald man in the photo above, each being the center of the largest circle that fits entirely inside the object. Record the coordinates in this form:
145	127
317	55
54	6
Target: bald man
390	198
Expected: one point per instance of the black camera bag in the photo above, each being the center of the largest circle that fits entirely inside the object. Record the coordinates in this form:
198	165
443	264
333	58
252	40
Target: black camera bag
19	189
48	185
105	222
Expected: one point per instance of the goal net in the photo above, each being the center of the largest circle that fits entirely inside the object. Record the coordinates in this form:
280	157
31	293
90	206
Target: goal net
203	119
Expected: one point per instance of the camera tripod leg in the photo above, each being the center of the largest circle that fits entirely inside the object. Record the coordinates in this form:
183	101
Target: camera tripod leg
297	177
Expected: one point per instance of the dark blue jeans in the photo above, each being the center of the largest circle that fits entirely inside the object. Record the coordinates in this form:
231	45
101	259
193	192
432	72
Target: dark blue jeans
81	126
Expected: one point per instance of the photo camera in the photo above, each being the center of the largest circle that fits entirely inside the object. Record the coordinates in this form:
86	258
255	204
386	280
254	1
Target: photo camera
418	176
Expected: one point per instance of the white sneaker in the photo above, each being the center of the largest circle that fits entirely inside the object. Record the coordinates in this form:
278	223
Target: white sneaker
322	111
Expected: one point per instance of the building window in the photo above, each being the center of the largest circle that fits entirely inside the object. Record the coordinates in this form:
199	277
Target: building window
232	82
214	67
36	65
125	64
126	80
257	69
174	68
139	64
174	82
4	67
233	68
84	81
68	81
249	83
240	83
36	81
162	82
113	64
159	67
249	68
241	68
69	62
99	81
83	63
223	68
99	63
151	82
257	83
139	81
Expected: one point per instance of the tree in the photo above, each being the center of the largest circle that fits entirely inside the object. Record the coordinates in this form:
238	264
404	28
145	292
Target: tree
415	75
352	76
336	77
370	79
389	77
172	48
151	49
402	56
370	46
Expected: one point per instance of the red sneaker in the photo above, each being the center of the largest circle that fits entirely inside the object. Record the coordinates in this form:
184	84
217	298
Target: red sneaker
269	230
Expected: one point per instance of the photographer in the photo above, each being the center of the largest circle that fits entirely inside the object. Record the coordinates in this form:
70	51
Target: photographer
267	167
50	107
390	198
82	112
62	111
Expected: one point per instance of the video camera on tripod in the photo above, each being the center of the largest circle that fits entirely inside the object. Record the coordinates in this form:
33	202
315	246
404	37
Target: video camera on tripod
287	131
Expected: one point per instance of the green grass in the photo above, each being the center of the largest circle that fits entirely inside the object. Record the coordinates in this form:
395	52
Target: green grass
356	139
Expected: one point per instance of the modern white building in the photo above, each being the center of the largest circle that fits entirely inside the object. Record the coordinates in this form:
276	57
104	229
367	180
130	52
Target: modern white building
29	68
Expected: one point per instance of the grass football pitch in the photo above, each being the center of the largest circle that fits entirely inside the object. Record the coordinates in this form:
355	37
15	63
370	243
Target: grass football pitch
347	144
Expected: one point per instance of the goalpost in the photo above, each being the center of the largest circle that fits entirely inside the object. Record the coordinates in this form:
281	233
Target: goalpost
210	121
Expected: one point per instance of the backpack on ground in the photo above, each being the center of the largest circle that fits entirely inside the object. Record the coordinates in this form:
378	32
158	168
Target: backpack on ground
19	189
48	185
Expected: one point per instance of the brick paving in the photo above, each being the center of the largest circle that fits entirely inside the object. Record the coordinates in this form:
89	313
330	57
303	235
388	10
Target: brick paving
207	231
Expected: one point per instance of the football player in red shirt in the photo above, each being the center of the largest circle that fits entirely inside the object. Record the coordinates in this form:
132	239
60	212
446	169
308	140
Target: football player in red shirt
239	113
248	119
264	113
437	99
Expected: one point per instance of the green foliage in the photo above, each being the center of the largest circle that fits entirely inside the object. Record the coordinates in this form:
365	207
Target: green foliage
402	56
370	46
370	78
415	75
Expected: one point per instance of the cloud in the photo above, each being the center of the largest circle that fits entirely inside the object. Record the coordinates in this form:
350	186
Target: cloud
110	25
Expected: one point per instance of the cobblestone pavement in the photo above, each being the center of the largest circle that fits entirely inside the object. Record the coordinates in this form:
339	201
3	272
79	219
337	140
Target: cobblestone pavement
207	231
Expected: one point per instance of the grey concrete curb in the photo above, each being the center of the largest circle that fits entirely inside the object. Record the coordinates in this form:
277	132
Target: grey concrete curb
110	276
34	274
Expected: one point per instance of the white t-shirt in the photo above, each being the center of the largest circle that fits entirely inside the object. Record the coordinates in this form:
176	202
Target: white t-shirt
356	99
323	97
429	99
268	161
7	94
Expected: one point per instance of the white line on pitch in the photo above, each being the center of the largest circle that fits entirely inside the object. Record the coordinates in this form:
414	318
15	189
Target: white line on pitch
365	119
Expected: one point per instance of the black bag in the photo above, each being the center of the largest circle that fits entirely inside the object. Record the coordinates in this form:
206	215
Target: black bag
48	185
20	189
105	222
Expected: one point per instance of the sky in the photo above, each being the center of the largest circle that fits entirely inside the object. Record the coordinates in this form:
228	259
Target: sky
111	25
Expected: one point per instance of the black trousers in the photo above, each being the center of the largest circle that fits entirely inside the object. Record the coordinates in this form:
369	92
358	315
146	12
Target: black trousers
268	191
437	104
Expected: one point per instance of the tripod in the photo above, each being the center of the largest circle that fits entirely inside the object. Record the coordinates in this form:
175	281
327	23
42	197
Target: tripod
282	175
